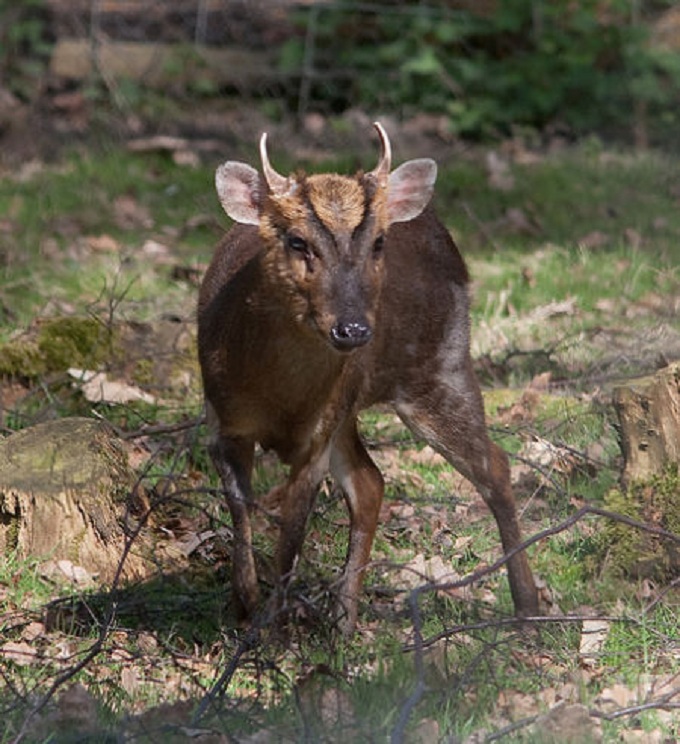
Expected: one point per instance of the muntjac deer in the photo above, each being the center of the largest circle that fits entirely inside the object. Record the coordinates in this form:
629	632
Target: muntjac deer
330	294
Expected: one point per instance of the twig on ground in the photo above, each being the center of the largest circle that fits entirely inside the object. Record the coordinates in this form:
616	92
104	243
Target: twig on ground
249	642
511	728
420	644
155	430
673	585
661	703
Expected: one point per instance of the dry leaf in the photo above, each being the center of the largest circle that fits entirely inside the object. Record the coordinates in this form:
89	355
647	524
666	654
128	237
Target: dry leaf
147	642
635	736
129	680
75	574
548	456
77	707
193	541
462	543
594	239
420	570
515	220
522	410
402	511
425	456
97	388
158	251
540	382
568	692
129	214
520	704
607	305
426	732
102	244
593	635
160	142
64	648
498	169
19	652
632	237
33	631
616	696
569	724
186	158
336	708
121	654
559	307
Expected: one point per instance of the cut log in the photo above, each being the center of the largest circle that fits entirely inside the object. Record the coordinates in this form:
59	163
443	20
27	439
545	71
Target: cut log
64	492
648	410
160	65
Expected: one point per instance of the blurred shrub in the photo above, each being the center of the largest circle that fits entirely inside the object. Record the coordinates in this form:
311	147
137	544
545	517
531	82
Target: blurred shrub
23	46
583	64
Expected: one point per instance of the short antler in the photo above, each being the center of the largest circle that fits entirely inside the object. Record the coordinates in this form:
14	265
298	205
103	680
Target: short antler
382	171
276	183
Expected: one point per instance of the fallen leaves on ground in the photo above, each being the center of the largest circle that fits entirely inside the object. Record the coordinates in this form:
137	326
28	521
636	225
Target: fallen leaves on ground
593	636
98	388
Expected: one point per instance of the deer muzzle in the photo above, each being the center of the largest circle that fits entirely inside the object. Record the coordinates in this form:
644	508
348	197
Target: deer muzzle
346	336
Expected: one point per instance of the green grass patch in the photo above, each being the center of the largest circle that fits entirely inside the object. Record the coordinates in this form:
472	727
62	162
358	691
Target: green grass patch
52	212
551	300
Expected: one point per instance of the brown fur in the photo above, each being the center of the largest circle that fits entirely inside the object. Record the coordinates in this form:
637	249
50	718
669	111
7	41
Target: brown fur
272	376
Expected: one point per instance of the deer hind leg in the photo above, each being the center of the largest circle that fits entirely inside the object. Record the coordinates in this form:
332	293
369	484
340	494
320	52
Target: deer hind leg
363	487
233	460
451	418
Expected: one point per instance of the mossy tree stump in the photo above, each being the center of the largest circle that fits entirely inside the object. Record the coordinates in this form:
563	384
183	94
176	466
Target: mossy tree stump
649	415
64	486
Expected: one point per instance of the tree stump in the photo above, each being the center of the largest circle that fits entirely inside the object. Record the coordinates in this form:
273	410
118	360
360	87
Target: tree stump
648	410
649	415
64	486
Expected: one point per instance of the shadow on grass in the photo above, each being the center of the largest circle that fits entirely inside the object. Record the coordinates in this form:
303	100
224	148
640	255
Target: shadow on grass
188	606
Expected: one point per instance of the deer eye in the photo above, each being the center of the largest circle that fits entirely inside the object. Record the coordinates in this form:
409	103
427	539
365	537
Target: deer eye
378	245
297	244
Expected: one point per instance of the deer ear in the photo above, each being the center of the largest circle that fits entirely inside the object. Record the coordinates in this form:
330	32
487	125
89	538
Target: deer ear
238	187
410	188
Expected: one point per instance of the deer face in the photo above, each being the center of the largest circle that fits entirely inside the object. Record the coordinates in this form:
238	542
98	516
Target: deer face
325	236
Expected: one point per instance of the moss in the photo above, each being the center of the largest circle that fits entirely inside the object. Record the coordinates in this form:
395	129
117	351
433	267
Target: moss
144	373
69	342
75	545
56	345
21	358
10	522
628	552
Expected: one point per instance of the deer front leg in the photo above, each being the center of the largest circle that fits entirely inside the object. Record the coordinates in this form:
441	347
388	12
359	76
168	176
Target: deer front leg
363	487
233	460
296	499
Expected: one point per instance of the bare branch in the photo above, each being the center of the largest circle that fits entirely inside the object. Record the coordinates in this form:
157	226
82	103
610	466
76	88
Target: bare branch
661	703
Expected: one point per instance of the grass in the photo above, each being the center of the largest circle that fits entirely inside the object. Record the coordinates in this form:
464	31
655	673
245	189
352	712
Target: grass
170	639
55	212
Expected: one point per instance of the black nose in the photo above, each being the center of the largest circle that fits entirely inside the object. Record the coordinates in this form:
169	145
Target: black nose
346	336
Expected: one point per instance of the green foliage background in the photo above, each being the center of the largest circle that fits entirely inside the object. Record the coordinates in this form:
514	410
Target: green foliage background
586	65
24	45
575	66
